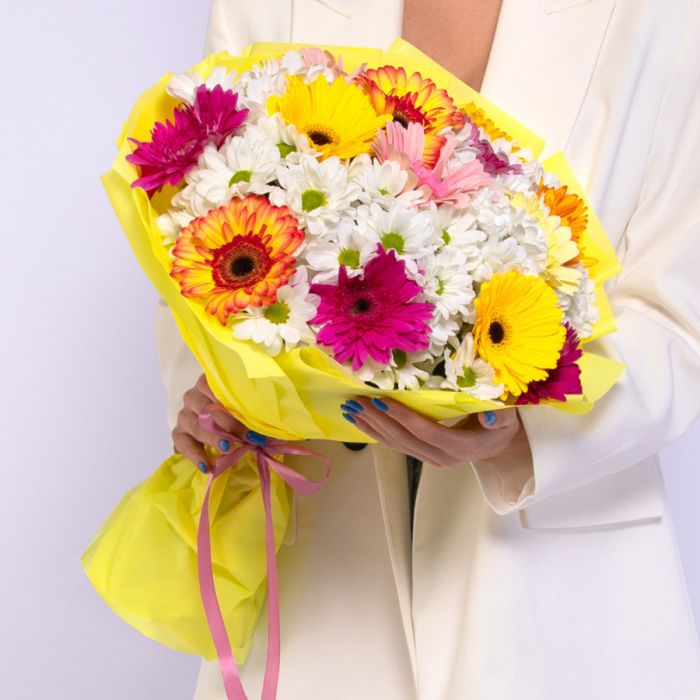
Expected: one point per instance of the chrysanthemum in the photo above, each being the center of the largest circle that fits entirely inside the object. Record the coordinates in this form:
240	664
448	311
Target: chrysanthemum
244	164
563	380
465	372
518	329
412	99
384	183
284	323
337	117
406	231
370	315
406	371
470	140
184	86
175	146
237	256
447	284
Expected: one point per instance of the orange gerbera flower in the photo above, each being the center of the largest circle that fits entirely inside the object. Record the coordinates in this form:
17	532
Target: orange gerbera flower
411	99
572	211
237	256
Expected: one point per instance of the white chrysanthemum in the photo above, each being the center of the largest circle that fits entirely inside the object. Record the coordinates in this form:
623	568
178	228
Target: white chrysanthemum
404	371
494	215
289	142
171	223
441	330
407	232
243	165
499	256
315	190
341	244
284	323
580	309
447	285
381	183
530	235
184	85
467	373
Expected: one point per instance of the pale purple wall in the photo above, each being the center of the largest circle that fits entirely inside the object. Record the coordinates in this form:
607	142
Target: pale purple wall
83	413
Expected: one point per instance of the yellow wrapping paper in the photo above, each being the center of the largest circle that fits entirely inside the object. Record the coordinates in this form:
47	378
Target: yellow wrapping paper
143	560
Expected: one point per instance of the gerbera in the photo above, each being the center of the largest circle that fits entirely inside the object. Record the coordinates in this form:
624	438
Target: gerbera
564	379
237	256
518	329
337	117
572	211
478	116
371	314
412	99
175	146
446	182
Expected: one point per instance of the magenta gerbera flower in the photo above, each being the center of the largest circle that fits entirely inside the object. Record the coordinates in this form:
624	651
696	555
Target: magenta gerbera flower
564	379
492	162
216	110
175	146
374	313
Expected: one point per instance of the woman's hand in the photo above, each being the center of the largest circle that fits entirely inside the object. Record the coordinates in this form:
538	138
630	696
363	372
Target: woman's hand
189	437
481	436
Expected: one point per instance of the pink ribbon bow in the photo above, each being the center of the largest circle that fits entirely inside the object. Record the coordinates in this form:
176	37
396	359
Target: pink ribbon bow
265	449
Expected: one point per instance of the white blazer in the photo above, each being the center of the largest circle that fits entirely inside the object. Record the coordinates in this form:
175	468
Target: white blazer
572	588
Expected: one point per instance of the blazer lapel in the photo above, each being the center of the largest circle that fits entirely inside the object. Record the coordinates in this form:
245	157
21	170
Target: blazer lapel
541	61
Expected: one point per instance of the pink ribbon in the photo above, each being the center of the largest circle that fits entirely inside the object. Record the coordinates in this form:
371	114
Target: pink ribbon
265	449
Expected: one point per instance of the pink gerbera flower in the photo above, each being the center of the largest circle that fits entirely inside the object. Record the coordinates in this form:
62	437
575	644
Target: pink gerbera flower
175	146
564	379
374	313
452	185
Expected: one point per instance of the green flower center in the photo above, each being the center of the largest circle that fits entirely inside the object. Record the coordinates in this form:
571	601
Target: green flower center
312	199
285	149
277	312
393	240
349	257
468	379
240	176
441	287
400	358
383	191
446	236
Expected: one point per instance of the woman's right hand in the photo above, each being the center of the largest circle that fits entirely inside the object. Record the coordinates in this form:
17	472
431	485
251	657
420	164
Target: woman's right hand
188	435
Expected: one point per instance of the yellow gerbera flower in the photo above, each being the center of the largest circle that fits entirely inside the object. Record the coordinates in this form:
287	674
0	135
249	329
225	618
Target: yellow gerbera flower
237	256
413	98
337	117
478	117
518	329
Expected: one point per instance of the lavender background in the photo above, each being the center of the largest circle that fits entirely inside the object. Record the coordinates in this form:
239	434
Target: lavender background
83	410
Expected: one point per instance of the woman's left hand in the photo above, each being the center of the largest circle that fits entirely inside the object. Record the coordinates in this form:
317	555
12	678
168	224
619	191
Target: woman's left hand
481	436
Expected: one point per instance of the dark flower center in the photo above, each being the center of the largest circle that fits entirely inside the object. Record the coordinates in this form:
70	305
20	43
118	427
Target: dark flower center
319	138
361	306
242	266
401	119
496	332
242	262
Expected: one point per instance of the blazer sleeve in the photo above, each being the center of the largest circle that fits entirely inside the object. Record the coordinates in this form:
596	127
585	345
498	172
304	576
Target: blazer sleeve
656	300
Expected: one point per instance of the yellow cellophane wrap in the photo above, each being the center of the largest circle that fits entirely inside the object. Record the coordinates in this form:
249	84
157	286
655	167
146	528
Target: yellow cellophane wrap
150	537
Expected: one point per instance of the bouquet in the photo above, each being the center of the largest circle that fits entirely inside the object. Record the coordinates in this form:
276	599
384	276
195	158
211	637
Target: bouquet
331	222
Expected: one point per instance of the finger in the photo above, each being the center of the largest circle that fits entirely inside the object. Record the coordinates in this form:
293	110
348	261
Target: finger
189	447
495	420
188	423
399	437
401	420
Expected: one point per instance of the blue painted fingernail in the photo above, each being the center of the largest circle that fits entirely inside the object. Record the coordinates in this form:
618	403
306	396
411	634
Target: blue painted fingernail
202	467
380	404
257	438
489	417
348	417
224	445
355	405
348	408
